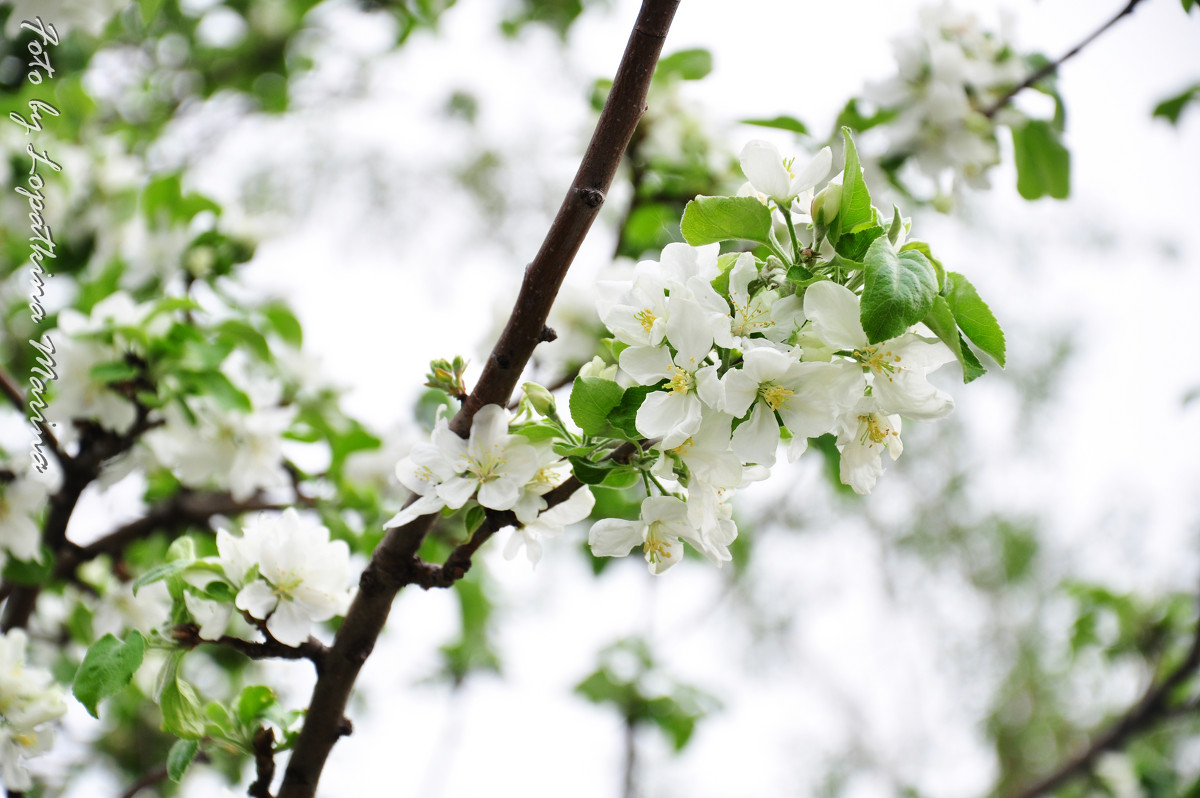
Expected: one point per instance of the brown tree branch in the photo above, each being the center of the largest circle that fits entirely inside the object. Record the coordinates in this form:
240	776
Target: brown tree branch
181	510
264	763
391	565
1054	65
1152	707
9	388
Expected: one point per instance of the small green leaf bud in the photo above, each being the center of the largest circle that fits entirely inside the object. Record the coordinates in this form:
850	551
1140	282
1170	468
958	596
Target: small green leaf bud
826	204
598	368
540	398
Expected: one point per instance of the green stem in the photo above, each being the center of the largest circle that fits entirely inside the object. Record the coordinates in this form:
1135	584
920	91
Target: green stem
787	218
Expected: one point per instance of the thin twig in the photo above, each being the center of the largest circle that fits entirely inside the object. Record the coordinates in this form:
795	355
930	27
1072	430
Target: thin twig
1150	708
180	511
264	763
156	776
10	389
391	566
1054	65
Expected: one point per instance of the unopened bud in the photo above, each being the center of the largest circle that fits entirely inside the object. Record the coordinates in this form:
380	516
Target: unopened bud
598	368
540	398
826	204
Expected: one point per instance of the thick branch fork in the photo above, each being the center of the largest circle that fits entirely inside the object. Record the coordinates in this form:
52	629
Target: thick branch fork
391	564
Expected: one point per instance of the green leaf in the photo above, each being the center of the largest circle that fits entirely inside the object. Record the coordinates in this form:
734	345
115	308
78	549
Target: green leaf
707	220
780	123
589	473
253	702
1188	5
940	319
899	291
1172	107
107	667
974	317
476	515
896	227
855	211
854	119
923	248
118	371
623	418
245	335
160	572
685	64
180	756
218	386
284	323
181	711
592	399
1043	163
621	478
854	245
30	572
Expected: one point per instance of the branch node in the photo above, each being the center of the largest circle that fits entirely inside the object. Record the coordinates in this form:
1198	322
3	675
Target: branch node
344	728
547	335
503	361
592	197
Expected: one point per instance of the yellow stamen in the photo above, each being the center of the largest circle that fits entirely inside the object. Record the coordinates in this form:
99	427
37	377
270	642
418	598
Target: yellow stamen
776	396
681	381
647	318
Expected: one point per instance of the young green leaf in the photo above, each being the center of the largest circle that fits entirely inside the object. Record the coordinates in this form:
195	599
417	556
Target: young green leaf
940	319
686	64
253	702
623	417
107	667
789	123
974	317
1043	163
707	220
181	711
898	293
592	398
1171	108
855	211
923	248
180	756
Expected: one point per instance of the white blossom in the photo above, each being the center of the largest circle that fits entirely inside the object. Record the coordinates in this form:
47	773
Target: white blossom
771	175
29	700
660	531
549	524
866	434
898	367
289	572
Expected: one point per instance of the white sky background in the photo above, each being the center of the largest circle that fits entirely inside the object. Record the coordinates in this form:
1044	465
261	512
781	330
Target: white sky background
387	274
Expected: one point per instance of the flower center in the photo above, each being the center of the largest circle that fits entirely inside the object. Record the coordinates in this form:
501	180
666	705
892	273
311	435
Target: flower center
487	465
647	318
684	447
776	396
881	363
681	381
656	547
873	430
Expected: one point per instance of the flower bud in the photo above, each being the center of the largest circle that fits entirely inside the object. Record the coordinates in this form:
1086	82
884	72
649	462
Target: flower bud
826	204
541	399
598	368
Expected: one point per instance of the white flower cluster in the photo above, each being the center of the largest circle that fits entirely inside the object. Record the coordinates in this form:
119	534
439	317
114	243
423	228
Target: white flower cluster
80	396
742	371
285	571
949	72
501	471
29	701
22	499
224	447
